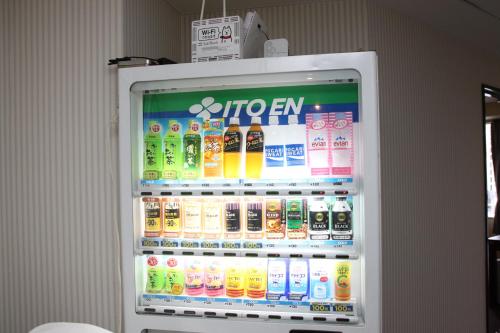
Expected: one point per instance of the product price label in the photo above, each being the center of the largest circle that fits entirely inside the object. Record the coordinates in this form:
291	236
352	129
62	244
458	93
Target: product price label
210	245
231	245
252	245
148	242
320	307
169	243
343	308
190	244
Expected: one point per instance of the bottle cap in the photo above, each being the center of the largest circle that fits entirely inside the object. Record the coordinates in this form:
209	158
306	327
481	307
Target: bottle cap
255	120
273	120
293	119
234	121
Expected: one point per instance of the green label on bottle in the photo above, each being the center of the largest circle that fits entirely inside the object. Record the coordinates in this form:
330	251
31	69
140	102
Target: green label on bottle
294	214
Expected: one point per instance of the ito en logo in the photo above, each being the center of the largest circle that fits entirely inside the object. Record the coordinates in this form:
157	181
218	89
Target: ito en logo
205	108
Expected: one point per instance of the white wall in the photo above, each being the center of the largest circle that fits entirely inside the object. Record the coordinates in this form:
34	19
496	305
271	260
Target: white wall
57	153
151	28
433	205
58	217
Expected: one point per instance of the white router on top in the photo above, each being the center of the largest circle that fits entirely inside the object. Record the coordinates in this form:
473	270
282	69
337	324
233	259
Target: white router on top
224	38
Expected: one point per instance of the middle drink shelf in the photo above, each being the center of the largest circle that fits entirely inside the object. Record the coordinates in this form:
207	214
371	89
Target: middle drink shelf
315	226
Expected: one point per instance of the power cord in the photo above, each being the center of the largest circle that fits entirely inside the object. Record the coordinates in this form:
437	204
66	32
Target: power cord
152	61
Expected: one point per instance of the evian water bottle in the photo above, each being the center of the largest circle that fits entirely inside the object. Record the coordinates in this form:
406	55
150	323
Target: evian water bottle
318	144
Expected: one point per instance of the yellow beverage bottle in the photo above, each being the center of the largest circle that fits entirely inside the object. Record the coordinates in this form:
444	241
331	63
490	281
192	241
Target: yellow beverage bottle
343	281
254	149
235	280
232	149
256	280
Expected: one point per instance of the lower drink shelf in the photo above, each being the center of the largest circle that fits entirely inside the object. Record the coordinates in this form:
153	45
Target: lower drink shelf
329	312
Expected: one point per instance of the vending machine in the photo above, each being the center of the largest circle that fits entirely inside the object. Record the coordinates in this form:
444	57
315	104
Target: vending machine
250	195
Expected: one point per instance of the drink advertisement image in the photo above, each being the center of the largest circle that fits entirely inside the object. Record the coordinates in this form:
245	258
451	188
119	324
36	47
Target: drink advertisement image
304	132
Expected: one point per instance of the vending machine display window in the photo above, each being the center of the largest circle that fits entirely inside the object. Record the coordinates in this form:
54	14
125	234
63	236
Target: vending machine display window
250	193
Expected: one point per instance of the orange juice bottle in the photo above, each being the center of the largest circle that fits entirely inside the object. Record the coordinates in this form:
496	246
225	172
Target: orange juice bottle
232	149
213	143
254	149
256	280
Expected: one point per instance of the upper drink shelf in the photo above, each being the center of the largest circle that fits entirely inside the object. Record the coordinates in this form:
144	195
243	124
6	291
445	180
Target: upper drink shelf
285	137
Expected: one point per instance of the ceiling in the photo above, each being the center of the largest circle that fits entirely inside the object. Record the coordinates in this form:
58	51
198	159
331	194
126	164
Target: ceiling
476	22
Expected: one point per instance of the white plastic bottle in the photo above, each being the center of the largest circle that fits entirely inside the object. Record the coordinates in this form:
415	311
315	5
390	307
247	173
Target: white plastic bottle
295	149
274	150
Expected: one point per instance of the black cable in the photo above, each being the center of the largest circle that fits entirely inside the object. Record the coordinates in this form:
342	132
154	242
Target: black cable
159	61
260	28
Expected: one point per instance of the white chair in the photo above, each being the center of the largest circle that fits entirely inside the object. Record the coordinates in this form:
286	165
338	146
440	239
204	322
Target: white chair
68	328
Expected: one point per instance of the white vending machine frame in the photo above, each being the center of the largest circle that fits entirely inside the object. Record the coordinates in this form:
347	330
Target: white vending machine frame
257	71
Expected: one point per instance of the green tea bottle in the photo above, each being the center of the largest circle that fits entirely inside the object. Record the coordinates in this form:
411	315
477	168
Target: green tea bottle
172	151
153	161
192	150
155	275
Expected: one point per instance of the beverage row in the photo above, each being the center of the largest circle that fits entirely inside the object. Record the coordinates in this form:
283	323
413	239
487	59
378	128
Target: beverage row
316	218
321	147
272	279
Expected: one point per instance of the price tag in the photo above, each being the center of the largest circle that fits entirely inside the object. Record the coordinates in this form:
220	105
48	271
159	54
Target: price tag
148	242
342	308
210	245
320	307
190	244
252	245
169	243
231	245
